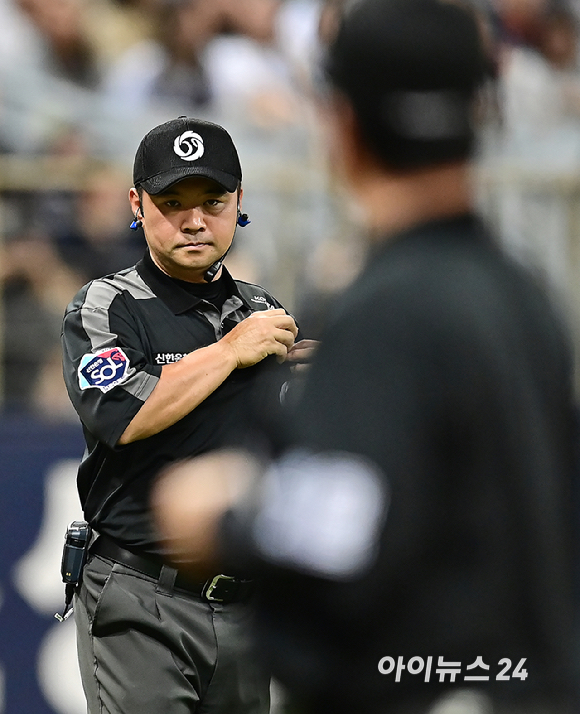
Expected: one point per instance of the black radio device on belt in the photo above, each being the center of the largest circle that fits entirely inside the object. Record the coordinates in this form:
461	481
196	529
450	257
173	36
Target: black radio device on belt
77	540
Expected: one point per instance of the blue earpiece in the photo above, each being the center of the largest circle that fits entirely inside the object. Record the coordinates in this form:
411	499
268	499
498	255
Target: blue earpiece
243	221
136	224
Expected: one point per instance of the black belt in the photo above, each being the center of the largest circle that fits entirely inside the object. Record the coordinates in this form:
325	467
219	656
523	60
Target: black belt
221	588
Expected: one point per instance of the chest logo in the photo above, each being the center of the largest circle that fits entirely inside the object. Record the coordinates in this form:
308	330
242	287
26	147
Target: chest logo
189	146
169	357
260	299
104	369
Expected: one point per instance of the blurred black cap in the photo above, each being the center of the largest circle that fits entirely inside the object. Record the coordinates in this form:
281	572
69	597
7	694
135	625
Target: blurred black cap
411	69
186	147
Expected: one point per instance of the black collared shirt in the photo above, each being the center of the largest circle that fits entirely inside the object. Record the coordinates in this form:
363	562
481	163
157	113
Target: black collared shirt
445	367
118	332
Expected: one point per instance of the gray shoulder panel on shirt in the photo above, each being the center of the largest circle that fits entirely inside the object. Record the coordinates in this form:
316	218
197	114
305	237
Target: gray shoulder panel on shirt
131	282
98	299
103	291
95	321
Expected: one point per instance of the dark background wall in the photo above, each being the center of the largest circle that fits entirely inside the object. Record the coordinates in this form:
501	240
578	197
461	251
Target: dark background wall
38	671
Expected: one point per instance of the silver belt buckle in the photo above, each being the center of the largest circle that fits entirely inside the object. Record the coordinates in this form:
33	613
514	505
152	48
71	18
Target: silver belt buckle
214	585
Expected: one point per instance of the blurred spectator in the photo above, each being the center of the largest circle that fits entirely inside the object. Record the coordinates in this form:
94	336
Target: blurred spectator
99	240
537	144
56	84
87	220
113	25
205	55
67	47
520	21
167	66
36	286
559	40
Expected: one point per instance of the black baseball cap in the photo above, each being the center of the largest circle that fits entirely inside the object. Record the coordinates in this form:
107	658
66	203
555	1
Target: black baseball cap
186	147
411	69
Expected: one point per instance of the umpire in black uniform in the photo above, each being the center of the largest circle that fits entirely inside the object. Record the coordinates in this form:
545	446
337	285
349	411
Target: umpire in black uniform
418	532
159	362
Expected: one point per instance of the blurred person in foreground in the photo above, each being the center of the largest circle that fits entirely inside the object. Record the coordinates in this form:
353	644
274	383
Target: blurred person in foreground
415	530
160	361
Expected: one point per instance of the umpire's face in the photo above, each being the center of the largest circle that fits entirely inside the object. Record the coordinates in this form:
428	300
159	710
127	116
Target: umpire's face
189	226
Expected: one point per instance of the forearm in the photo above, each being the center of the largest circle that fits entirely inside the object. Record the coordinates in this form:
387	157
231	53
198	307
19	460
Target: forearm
185	384
181	388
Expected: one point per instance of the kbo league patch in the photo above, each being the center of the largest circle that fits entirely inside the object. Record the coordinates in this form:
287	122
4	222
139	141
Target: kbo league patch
103	370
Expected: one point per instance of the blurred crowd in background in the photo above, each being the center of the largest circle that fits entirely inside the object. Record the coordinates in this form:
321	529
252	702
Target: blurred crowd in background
81	81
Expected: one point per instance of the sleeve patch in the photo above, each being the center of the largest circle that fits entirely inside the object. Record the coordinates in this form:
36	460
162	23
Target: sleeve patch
104	369
322	513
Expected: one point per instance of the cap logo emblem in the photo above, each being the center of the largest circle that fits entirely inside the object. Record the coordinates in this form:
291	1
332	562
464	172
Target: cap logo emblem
189	146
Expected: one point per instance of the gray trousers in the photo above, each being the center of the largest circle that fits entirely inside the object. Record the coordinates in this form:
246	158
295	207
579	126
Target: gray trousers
144	649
